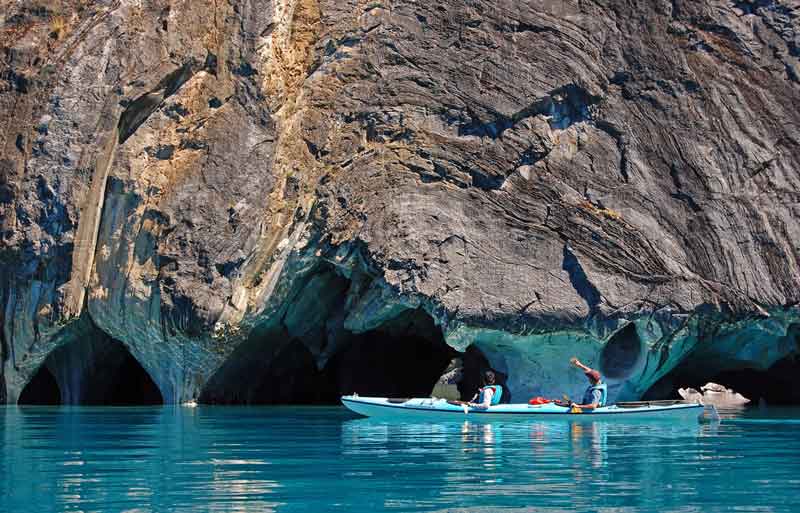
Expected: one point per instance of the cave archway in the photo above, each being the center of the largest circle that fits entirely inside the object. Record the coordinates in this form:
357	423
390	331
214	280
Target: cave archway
341	331
401	358
270	368
126	384
92	370
621	353
42	389
474	365
776	385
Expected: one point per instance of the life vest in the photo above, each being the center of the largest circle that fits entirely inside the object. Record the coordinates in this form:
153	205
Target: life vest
603	392
497	392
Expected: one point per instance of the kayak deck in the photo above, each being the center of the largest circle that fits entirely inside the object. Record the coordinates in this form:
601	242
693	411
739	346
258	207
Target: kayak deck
440	409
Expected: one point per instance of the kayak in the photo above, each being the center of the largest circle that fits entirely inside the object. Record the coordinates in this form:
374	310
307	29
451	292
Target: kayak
428	409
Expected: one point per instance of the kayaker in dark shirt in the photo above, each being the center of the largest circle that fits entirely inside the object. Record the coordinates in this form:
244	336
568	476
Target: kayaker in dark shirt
595	395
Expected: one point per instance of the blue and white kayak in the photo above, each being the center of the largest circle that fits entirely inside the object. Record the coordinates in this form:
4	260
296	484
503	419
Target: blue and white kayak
437	410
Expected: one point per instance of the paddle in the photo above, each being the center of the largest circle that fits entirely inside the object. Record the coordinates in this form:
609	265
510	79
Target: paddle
464	405
564	401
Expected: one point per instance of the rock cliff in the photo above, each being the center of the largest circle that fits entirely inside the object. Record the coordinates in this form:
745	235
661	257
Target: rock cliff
338	196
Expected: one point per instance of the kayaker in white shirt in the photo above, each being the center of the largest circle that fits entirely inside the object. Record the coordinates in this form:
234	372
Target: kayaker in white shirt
487	395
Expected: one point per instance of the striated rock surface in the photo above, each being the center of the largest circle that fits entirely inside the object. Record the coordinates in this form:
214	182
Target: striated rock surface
339	195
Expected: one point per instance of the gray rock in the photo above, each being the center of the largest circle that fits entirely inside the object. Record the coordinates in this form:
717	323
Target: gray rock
611	181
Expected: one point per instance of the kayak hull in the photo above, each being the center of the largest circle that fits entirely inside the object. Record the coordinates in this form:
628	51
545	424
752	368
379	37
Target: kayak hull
439	410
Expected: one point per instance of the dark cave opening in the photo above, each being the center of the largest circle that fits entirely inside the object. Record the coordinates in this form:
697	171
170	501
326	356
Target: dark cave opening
475	364
128	385
776	385
42	389
621	353
401	358
293	378
94	370
269	368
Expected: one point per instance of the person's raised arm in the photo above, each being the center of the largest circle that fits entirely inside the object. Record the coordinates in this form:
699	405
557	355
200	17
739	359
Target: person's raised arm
577	363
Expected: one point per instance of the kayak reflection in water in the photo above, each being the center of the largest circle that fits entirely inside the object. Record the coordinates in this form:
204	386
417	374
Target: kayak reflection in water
596	393
489	394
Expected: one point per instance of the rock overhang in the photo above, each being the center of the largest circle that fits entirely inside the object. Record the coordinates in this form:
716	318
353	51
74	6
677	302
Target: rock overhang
512	194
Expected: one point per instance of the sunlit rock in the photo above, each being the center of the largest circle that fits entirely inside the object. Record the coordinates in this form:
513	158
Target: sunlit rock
714	394
279	192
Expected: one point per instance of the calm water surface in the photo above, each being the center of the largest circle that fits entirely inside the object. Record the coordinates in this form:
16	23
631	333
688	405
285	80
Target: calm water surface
324	459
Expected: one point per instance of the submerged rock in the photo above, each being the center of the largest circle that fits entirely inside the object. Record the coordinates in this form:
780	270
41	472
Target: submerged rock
337	196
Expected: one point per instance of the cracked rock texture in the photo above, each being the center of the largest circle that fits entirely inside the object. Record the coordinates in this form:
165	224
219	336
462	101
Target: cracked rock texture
614	180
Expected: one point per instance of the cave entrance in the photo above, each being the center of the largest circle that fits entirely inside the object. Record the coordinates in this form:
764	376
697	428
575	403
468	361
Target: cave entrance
127	384
93	370
42	389
337	334
474	366
775	385
401	358
404	357
270	368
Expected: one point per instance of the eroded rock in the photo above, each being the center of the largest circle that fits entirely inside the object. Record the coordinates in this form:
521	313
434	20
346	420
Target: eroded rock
536	181
714	394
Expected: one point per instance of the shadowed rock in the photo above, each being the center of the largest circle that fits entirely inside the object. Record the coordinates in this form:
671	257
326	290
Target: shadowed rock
611	180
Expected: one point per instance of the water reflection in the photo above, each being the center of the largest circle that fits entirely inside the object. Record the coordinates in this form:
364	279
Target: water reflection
128	458
273	459
585	440
529	459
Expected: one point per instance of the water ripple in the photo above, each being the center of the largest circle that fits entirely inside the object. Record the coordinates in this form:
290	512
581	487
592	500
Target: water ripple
323	459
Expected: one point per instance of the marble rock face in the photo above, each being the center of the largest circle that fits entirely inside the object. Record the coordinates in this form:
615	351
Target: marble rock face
714	394
342	196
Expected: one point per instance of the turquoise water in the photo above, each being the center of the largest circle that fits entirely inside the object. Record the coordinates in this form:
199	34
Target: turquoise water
324	459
